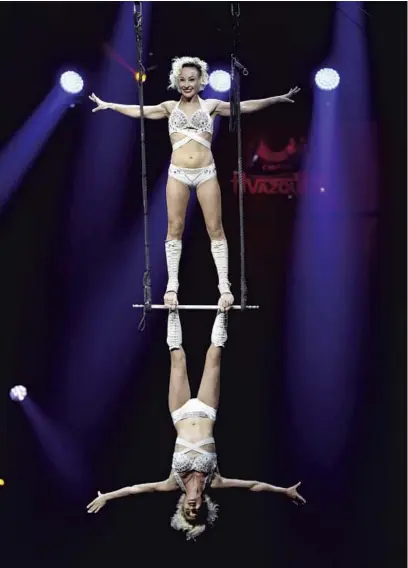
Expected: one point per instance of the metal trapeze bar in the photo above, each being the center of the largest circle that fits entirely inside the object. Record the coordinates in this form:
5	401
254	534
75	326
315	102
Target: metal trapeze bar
191	307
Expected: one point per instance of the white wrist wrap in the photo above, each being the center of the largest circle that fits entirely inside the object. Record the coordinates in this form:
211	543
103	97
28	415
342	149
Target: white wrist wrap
219	334
174	334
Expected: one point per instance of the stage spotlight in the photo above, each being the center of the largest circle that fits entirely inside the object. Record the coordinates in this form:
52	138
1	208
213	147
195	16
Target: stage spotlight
2	482
71	82
327	79
220	81
18	393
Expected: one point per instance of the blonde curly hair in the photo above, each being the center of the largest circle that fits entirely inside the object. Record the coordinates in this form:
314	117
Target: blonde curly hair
192	531
177	65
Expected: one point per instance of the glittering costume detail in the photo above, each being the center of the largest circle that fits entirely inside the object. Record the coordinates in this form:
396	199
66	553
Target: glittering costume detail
198	123
194	407
192	177
205	462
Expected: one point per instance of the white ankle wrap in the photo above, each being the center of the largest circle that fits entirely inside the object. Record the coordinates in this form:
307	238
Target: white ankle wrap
219	250
174	334
173	255
219	334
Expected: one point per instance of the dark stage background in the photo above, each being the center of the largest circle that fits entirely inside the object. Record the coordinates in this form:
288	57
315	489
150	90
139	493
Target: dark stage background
361	525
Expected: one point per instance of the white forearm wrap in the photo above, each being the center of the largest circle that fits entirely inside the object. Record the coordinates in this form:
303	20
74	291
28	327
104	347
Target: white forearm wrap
174	334
173	255
219	250
219	334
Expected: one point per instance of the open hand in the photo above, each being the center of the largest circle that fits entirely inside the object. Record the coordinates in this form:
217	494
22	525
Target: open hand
97	504
101	105
289	96
294	496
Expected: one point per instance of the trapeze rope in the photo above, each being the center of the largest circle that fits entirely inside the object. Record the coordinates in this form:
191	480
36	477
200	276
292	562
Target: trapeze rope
235	126
147	284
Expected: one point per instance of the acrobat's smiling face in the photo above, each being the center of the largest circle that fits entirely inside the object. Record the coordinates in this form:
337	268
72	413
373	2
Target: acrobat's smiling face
189	82
191	507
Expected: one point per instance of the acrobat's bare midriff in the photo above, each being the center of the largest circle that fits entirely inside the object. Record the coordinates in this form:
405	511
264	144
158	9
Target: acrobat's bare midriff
193	154
194	430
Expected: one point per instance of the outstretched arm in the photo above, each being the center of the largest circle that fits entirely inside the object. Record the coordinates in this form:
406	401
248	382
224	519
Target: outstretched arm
155	112
223	108
166	485
97	504
225	483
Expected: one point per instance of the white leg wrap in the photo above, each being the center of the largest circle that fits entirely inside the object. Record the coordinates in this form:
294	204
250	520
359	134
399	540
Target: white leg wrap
219	334
173	255
174	334
219	250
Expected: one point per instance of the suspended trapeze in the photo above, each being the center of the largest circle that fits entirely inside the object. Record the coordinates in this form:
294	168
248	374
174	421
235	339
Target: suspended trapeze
235	126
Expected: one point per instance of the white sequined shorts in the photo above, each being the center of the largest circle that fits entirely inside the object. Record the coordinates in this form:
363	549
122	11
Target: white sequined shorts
192	177
192	408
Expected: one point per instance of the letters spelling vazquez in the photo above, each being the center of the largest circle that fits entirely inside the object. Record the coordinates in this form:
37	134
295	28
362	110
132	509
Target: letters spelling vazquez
268	185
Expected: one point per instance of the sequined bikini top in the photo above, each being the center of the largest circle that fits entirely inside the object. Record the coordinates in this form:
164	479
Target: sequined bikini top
200	121
205	462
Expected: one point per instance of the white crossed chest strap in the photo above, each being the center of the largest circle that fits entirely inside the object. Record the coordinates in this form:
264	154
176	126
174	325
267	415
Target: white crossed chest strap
188	137
188	446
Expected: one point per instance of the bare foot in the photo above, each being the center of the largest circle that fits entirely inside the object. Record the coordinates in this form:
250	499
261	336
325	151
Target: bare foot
170	300
226	301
